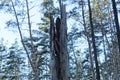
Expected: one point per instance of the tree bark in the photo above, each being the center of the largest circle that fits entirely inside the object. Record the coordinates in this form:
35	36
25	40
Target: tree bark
118	37
88	41
58	45
52	50
116	22
93	41
63	46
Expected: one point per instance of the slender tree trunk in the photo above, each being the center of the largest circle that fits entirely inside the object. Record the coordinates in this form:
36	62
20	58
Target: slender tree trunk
116	22
52	49
21	37
89	44
118	37
33	64
34	55
114	52
93	40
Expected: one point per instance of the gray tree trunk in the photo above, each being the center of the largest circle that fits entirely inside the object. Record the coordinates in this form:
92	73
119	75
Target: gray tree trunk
117	63
88	41
93	41
58	45
63	46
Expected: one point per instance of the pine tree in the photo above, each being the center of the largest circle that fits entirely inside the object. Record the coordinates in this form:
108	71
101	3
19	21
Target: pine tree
93	41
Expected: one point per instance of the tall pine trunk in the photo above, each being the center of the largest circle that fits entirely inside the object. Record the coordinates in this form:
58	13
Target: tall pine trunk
116	22
116	63
88	41
93	41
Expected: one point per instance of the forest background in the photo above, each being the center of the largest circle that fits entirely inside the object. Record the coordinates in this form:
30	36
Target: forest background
26	23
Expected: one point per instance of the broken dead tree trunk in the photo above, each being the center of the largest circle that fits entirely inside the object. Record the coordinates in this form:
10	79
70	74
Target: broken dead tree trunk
58	47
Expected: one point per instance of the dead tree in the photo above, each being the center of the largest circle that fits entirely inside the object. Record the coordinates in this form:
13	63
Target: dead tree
58	45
